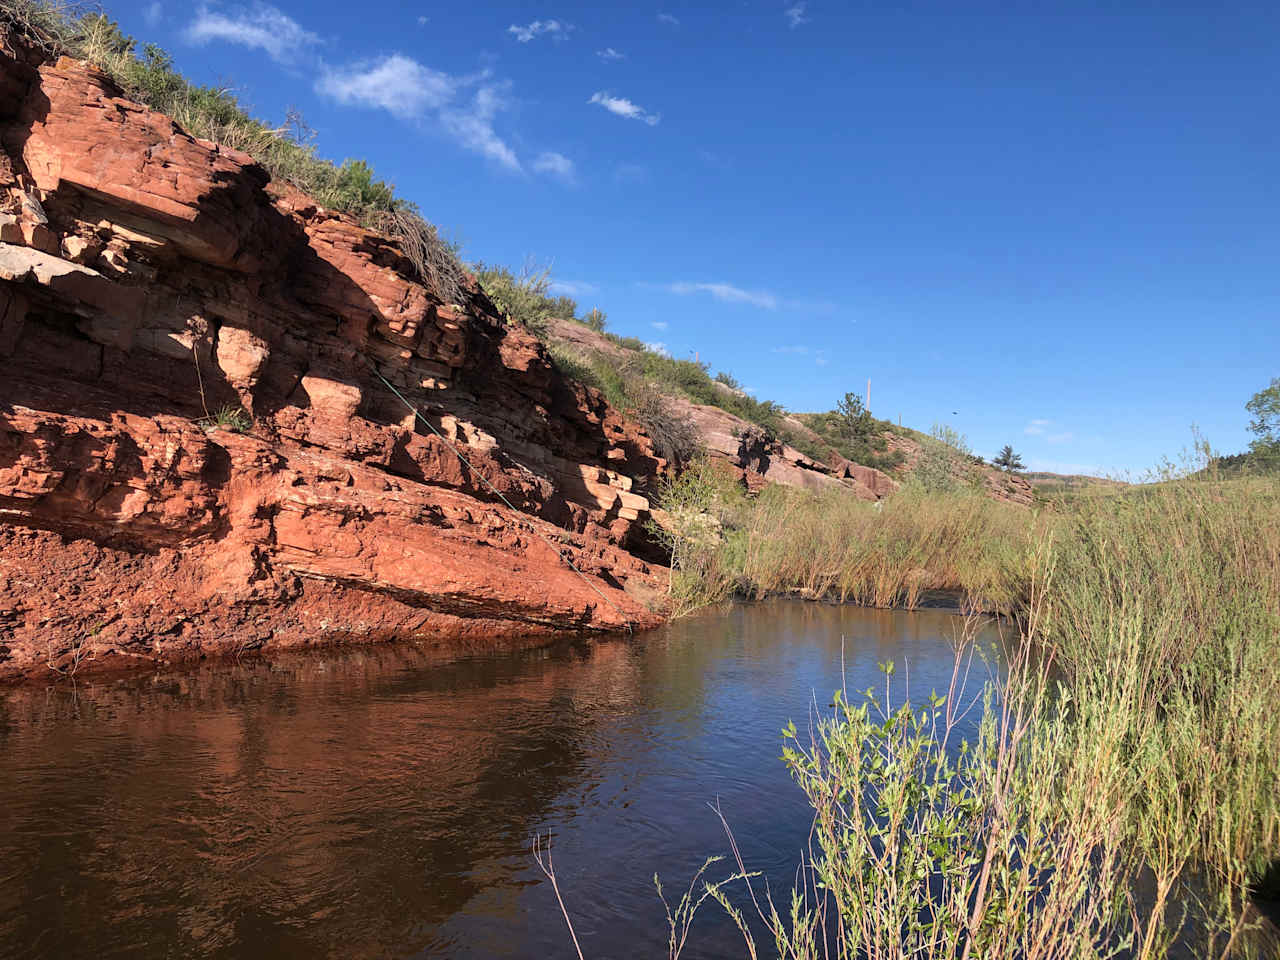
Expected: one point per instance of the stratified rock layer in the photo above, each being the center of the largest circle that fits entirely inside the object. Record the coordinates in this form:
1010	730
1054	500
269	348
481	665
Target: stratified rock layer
149	279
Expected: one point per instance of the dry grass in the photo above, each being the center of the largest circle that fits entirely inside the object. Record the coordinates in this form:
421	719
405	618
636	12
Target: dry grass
833	545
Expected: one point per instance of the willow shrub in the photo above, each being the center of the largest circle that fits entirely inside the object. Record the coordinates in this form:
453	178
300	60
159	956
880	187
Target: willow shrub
1164	610
927	846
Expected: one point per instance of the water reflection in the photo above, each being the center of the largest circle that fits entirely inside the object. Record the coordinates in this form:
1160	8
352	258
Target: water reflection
379	802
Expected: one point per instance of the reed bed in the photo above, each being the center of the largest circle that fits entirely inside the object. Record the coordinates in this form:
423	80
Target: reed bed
831	545
1121	797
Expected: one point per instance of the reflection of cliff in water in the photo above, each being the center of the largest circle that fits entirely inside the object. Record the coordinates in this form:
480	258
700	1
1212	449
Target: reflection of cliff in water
379	801
230	809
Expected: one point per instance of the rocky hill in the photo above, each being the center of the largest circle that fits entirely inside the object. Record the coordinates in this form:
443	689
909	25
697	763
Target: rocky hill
197	453
760	457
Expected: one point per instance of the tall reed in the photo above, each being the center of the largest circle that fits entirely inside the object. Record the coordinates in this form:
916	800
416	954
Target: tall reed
1122	795
830	544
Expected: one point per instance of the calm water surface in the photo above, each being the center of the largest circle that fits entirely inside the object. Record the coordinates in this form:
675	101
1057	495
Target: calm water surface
379	802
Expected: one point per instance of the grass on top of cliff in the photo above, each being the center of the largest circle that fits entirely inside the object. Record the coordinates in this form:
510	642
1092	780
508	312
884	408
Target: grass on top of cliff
287	151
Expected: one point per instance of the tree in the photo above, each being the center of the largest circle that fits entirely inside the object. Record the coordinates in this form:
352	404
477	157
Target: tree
1007	460
1265	407
855	419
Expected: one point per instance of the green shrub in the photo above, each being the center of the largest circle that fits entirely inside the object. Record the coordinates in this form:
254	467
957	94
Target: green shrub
942	462
595	319
525	298
627	343
675	438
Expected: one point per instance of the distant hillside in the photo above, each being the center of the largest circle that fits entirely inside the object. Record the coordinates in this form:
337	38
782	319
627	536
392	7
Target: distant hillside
687	410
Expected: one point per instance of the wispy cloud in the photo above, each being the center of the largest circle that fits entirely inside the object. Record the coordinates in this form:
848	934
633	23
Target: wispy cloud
623	107
554	164
423	21
668	19
609	54
464	107
631	173
727	293
1040	428
552	28
659	324
472	124
152	13
261	28
658	347
574	288
714	160
790	348
796	14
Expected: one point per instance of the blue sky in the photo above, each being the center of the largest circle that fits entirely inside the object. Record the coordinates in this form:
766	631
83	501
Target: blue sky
1051	225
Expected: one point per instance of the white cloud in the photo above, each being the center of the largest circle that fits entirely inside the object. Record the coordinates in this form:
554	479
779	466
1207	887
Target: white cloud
574	288
396	83
409	90
728	293
262	28
555	164
1036	427
423	21
795	14
552	28
625	108
472	124
152	13
659	324
658	347
608	54
668	19
796	348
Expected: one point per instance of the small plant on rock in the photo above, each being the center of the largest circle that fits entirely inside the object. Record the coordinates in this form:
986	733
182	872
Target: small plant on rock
228	417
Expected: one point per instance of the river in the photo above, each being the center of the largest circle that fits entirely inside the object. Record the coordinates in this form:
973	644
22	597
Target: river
380	801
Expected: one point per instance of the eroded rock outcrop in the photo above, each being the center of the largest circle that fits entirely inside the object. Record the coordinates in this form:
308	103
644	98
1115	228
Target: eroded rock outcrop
148	280
756	458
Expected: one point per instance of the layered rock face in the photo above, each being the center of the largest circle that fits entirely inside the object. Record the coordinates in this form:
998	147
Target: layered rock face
740	445
149	280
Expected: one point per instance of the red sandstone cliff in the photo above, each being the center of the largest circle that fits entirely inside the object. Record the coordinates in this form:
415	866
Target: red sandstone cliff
147	277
